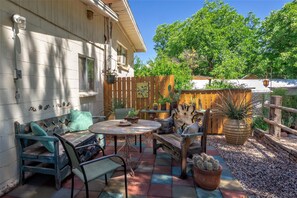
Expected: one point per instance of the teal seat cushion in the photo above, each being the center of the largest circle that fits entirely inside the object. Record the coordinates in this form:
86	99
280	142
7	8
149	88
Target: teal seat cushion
38	131
80	120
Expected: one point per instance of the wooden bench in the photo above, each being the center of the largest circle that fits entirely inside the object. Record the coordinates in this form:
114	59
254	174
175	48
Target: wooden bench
35	158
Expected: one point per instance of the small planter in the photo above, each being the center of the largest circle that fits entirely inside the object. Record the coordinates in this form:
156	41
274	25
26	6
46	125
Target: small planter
163	106
133	120
206	179
173	105
110	78
155	106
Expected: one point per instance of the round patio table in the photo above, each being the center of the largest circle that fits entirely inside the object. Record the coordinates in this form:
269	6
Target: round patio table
113	128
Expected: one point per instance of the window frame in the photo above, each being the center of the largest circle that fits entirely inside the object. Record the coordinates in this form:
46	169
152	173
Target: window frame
89	89
122	51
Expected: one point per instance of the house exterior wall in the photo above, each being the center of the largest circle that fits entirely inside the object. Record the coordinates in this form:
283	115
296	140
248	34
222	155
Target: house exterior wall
47	54
120	37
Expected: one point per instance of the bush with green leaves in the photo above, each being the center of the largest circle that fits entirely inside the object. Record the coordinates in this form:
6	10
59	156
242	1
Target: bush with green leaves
222	84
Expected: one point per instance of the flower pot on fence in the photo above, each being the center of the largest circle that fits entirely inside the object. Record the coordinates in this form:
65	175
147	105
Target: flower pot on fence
206	179
236	131
110	79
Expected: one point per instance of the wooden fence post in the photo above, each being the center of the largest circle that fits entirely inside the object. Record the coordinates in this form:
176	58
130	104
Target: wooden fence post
275	115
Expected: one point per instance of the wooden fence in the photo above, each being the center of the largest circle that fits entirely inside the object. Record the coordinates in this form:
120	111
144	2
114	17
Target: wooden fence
136	92
125	90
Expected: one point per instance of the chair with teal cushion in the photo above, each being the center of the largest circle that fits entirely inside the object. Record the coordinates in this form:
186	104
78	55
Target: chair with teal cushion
92	169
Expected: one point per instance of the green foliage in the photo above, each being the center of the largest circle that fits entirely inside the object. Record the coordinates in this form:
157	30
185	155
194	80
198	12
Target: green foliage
279	42
164	65
133	113
173	95
258	122
215	41
221	84
234	107
162	99
288	118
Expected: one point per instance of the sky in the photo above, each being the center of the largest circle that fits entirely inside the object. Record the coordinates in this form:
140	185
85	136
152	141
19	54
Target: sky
151	13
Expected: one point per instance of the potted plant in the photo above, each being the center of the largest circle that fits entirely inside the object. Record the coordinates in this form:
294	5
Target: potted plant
110	75
132	116
162	101
237	127
207	171
173	97
155	106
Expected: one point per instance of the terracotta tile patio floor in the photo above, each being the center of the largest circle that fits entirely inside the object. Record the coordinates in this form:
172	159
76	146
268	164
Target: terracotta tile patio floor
155	177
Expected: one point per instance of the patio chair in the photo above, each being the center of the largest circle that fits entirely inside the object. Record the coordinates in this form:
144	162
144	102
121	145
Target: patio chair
90	170
183	134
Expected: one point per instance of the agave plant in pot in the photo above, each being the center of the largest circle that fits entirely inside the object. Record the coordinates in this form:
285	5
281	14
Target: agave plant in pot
238	111
207	171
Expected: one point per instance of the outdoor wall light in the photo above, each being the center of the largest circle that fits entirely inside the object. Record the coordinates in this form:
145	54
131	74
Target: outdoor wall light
20	21
90	14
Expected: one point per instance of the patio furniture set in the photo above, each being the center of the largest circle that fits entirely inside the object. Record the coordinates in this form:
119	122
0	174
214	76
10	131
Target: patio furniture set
181	135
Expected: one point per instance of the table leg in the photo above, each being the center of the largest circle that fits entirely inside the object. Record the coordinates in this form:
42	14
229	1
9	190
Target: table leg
115	144
126	149
140	144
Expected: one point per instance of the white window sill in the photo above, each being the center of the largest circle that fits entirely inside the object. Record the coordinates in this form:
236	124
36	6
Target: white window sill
124	67
87	94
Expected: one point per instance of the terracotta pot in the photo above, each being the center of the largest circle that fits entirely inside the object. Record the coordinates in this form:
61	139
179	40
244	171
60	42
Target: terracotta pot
133	120
236	131
208	180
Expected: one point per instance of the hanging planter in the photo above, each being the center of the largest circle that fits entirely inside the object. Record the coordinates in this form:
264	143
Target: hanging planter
110	75
110	78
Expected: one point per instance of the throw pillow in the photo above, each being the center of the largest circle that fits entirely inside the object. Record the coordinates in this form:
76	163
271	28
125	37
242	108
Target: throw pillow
80	120
38	131
193	128
166	125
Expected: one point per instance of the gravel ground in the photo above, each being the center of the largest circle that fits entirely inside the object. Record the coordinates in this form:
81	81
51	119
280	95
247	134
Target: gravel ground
261	171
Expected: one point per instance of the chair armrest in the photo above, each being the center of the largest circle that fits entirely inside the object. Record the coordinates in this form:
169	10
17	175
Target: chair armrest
37	138
101	118
103	158
192	134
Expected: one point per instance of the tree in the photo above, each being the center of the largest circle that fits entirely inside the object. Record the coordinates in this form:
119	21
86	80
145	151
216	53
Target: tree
225	43
279	42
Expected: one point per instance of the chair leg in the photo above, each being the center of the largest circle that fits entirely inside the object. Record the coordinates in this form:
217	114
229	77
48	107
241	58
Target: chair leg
135	139
183	168
154	146
126	187
105	176
115	144
87	189
140	144
72	184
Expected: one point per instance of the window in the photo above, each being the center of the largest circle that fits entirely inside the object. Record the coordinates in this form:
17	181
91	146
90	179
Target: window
86	74
122	55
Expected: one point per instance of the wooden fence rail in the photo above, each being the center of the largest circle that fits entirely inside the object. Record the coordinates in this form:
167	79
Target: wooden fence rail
125	90
275	117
